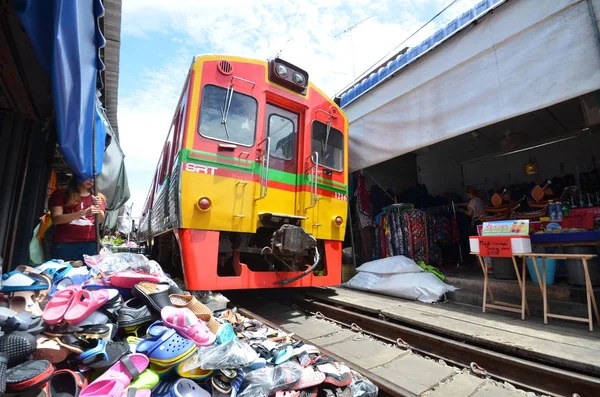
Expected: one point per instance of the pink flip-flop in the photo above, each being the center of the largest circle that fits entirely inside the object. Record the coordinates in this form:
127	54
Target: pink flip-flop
185	322
60	303
114	381
85	303
128	279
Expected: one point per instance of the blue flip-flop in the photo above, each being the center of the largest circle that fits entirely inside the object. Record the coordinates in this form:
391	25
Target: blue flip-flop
16	281
99	350
55	268
67	281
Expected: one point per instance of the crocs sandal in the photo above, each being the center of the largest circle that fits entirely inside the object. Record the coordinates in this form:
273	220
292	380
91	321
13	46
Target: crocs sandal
67	383
60	303
16	281
128	279
23	321
24	301
155	295
310	378
164	373
114	381
194	374
185	322
84	303
28	375
50	350
135	312
17	346
179	388
147	380
165	348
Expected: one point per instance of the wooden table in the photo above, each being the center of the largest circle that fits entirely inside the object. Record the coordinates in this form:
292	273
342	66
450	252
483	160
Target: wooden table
509	307
591	299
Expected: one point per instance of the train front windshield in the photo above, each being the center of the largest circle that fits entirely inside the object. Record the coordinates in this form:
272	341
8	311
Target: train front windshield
225	118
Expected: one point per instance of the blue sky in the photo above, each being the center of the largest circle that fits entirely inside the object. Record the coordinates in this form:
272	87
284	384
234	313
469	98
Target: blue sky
159	38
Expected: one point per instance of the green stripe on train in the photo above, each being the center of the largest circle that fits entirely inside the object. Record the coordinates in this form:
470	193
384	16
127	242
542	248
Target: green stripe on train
252	167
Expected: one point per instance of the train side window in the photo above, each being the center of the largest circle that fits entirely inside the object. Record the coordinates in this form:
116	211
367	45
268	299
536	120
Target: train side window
281	132
329	146
238	125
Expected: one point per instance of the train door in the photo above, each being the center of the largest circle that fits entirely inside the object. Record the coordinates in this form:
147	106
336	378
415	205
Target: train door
279	169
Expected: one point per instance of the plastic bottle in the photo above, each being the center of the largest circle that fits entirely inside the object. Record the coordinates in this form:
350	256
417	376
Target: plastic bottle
559	212
552	211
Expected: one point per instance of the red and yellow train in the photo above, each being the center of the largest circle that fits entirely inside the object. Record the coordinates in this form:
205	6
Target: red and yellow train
250	190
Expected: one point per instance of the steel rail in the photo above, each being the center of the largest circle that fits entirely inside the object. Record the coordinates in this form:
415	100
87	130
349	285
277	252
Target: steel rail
523	373
386	388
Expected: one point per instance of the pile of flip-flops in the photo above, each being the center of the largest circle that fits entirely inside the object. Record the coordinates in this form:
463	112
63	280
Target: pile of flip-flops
118	326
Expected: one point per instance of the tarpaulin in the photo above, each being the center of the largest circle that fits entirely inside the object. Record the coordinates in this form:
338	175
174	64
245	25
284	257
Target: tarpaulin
112	182
66	38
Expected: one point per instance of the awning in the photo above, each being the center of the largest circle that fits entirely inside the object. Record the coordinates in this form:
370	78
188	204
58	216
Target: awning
512	62
66	38
112	182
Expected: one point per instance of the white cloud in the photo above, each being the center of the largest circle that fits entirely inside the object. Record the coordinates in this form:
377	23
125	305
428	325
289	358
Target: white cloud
310	32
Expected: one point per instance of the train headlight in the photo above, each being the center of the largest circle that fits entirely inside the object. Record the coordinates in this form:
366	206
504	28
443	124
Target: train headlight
338	220
298	79
203	204
281	70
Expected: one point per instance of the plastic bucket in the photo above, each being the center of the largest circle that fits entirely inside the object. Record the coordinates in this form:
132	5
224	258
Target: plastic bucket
550	270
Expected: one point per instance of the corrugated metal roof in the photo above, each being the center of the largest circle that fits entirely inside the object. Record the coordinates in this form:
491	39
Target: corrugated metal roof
397	62
111	52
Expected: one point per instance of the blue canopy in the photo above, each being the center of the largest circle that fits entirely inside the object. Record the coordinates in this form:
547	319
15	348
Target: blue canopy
66	38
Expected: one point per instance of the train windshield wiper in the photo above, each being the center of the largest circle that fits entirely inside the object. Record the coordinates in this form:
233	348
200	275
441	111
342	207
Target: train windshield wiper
225	111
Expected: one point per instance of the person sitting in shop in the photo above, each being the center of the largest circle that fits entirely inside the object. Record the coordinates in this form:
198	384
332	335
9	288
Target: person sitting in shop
475	208
73	213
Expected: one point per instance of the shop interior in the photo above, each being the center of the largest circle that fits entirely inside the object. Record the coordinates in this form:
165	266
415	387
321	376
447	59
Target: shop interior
409	205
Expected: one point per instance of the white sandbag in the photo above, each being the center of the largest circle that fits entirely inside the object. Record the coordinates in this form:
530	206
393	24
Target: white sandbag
424	287
392	265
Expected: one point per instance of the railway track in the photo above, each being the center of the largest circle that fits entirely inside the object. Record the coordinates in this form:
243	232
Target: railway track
522	373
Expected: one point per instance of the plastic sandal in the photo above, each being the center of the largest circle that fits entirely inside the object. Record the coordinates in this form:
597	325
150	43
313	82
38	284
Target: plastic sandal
66	383
43	277
225	333
165	347
114	381
99	331
102	359
17	346
57	306
56	268
85	303
24	301
19	281
154	295
23	321
147	380
187	324
65	282
128	279
50	350
28	375
195	374
180	388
